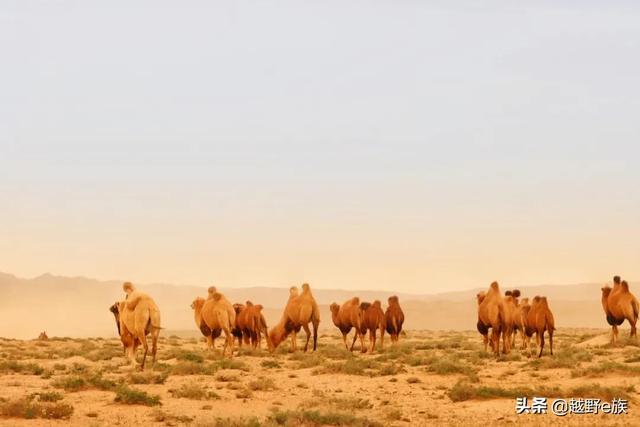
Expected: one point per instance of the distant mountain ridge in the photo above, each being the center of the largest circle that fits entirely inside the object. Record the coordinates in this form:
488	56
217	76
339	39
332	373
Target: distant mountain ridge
78	306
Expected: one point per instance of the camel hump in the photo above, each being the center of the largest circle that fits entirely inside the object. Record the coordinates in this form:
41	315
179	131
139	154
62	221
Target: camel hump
625	286
507	293
248	303
355	300
536	299
258	307
377	303
306	288
516	293
334	307
216	296
364	305
393	300
494	286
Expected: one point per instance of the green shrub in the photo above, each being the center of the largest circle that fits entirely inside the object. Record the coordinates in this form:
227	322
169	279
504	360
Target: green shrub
131	396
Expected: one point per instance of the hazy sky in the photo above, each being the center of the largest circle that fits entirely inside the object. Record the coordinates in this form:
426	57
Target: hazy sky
403	145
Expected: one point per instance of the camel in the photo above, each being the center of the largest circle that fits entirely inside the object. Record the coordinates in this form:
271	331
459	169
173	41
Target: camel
43	336
620	304
491	315
539	319
209	334
139	316
510	306
348	316
218	313
394	318
300	310
252	324
127	339
372	320
519	322
236	329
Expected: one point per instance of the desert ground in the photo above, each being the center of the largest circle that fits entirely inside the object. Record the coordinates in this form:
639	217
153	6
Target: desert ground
429	378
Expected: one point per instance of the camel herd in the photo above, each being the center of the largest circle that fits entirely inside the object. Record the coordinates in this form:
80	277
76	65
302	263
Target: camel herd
138	316
505	315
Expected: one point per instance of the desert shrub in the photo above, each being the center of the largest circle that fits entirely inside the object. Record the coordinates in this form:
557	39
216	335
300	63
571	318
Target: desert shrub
244	393
447	366
464	390
391	369
226	378
131	396
184	355
270	364
567	357
194	392
317	418
231	364
12	366
47	396
262	384
148	377
84	382
413	380
606	368
27	408
353	366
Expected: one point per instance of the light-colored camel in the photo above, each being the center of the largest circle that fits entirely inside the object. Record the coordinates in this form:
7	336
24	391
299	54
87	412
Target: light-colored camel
348	316
620	304
394	318
299	312
208	333
139	316
218	313
127	339
540	319
252	324
491	315
372	321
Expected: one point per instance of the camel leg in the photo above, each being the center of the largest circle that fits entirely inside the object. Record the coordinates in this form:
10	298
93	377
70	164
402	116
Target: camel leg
355	337
485	339
372	340
496	340
551	342
294	343
307	331
143	339
614	334
315	334
344	339
363	348
524	339
381	337
541	342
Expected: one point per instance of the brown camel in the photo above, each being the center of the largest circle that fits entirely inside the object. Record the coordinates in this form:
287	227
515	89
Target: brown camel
510	306
217	313
540	319
43	336
252	325
620	304
372	321
139	316
519	322
208	333
299	312
236	330
348	316
491	315
394	318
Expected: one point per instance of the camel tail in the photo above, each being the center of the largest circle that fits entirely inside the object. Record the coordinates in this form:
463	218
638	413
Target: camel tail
636	308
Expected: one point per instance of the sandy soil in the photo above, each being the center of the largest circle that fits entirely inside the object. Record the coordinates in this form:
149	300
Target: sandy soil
415	383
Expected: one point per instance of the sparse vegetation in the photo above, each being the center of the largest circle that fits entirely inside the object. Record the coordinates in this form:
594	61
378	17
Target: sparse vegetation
194	392
131	396
29	408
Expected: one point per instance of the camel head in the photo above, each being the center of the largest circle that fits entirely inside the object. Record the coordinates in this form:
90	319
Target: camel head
293	292
365	306
507	293
276	335
515	293
616	280
335	309
480	297
115	309
393	300
197	303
